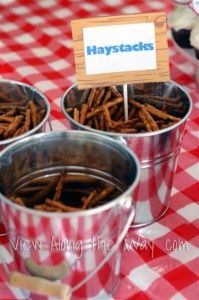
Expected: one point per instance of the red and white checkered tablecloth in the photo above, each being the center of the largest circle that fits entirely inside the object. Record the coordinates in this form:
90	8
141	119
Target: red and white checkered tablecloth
36	47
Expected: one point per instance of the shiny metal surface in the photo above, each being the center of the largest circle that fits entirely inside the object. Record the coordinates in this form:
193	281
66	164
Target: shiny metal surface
79	238
157	152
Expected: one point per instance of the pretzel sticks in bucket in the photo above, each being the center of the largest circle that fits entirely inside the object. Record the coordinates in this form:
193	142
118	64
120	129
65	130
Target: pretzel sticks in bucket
104	109
18	114
64	193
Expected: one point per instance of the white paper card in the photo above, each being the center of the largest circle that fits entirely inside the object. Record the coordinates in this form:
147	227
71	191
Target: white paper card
117	48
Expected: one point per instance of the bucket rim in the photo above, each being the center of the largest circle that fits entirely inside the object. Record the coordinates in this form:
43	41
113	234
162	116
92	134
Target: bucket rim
119	200
129	135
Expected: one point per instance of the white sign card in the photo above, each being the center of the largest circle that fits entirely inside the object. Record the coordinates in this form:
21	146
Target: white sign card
118	48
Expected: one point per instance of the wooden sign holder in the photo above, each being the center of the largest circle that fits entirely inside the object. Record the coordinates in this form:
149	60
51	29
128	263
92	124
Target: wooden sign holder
161	73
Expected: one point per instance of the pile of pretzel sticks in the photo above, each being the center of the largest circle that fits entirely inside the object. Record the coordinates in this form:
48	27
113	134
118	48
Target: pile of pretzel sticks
65	193
103	109
17	114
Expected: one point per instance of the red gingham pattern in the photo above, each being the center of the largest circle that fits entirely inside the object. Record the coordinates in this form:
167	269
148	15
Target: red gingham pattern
36	47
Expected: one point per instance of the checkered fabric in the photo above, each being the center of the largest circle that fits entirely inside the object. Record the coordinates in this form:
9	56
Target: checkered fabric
159	261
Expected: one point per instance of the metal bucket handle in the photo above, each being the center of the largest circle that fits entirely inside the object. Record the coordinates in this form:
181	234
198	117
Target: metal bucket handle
46	287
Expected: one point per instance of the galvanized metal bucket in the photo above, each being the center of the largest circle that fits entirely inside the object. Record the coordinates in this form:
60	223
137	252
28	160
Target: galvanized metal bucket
157	152
21	93
87	242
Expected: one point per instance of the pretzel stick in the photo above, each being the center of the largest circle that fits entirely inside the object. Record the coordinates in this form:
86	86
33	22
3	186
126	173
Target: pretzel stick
76	115
52	209
135	103
19	201
91	98
99	97
148	119
33	113
107	97
145	121
127	130
62	206
99	109
40	206
139	125
107	118
4	125
59	187
27	120
19	131
89	199
158	113
11	112
84	96
123	123
101	124
13	127
95	97
8	119
45	207
5	107
113	102
83	113
96	123
21	109
103	194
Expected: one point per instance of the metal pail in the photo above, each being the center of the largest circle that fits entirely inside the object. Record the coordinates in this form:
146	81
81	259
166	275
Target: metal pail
87	243
157	150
